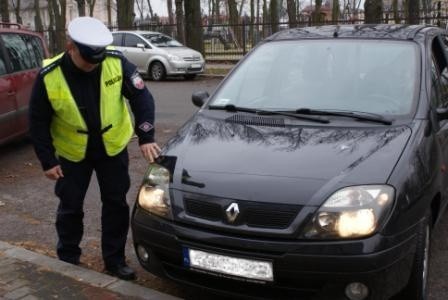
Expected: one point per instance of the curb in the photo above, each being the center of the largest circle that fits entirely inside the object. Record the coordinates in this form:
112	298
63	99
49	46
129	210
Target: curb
217	70
81	274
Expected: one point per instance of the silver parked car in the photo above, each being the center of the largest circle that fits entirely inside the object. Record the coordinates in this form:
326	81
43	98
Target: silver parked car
158	55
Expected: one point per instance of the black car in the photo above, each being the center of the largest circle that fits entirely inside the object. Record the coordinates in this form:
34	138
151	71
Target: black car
317	169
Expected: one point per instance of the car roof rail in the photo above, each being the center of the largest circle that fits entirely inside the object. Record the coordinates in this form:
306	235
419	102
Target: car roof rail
9	25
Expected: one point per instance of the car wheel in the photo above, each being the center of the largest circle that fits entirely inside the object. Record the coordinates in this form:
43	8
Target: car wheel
190	76
417	287
157	71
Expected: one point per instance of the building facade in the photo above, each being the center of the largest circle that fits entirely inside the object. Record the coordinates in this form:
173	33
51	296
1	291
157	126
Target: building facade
28	12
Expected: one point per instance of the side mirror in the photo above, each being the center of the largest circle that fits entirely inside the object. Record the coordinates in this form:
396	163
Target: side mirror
442	113
199	98
141	46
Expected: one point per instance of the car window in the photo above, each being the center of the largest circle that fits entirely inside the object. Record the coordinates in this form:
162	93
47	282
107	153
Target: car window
369	76
19	53
118	39
440	67
435	84
35	50
161	40
131	40
3	70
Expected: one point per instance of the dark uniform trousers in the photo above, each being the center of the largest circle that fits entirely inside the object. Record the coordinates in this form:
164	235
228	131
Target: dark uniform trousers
114	182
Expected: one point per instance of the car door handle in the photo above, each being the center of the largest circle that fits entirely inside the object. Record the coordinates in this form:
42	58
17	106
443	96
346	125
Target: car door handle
11	93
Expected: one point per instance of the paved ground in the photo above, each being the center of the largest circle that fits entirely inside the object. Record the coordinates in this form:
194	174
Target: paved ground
29	276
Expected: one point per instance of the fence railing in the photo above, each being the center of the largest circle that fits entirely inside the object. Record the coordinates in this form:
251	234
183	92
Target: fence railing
223	42
230	42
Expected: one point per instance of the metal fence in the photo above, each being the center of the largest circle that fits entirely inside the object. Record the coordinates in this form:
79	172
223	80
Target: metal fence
230	42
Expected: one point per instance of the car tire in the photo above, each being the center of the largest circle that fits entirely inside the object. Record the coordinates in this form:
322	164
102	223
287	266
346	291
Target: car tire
190	76
417	287
157	71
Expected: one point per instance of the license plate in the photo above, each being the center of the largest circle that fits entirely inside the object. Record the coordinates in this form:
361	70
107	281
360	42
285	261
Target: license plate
258	270
196	66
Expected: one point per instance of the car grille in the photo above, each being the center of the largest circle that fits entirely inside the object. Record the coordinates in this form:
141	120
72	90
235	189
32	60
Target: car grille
194	69
257	121
252	214
192	58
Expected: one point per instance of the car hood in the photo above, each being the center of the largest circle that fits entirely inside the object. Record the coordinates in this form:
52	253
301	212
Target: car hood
180	51
291	164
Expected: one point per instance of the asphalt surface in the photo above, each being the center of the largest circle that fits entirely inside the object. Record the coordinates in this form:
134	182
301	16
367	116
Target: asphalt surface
28	204
29	276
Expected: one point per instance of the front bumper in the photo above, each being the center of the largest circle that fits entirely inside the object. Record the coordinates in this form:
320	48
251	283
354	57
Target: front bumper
315	270
183	68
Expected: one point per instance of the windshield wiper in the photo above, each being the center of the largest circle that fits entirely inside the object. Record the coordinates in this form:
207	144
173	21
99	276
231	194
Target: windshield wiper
233	108
362	116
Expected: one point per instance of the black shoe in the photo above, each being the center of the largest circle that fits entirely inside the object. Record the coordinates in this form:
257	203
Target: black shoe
121	271
73	261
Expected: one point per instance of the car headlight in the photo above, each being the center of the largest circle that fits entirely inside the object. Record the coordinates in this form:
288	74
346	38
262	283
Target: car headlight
174	58
351	212
154	195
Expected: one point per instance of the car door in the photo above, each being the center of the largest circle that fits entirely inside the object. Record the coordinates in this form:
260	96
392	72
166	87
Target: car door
7	99
25	56
117	40
139	56
439	100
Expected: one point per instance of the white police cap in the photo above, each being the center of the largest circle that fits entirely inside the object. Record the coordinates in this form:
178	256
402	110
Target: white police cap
90	32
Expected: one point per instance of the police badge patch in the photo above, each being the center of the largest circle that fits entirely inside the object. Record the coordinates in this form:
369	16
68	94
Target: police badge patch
137	81
146	126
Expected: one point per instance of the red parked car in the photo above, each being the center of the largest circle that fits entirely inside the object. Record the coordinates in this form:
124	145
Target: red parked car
21	55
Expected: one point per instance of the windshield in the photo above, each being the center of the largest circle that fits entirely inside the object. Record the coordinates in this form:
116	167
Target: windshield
161	40
351	75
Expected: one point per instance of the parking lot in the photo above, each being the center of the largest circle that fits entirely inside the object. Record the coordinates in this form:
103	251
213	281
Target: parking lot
28	204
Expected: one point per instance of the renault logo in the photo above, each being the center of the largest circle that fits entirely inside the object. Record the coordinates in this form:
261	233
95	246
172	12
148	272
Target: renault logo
232	212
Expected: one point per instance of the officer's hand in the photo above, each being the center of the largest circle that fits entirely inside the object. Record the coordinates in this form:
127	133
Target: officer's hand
150	151
54	173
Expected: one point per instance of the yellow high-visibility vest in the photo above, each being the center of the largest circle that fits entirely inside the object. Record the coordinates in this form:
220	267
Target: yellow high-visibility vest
68	127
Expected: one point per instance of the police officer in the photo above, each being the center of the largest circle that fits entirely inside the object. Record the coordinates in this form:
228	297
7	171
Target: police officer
79	123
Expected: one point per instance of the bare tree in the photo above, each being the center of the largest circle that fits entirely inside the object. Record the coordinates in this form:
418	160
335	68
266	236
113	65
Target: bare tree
57	11
316	16
413	12
265	17
169	4
292	13
193	25
373	11
16	7
426	9
140	8
252	21
109	12
233	19
180	21
91	4
81	7
233	12
335	11
4	11
273	7
241	7
217	11
151	12
37	18
395	11
125	13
